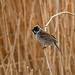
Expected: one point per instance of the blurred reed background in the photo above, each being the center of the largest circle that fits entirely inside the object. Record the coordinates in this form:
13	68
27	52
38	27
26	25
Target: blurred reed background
20	52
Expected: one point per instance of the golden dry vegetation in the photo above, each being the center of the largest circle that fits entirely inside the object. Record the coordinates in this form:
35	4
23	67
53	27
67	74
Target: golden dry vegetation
20	52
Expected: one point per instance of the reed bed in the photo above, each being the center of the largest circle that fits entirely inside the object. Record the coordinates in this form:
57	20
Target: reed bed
20	52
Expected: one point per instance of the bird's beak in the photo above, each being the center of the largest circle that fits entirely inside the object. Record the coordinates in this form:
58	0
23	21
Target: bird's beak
32	30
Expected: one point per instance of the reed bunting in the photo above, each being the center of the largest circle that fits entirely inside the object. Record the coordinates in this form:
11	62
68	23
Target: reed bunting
44	38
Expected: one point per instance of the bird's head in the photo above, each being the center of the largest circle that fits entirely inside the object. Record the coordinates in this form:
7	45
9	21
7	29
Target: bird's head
36	29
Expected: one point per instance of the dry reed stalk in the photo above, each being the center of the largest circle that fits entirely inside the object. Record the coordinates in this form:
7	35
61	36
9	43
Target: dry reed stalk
16	73
64	12
58	31
31	72
47	62
40	72
16	63
17	48
27	70
24	68
13	48
44	67
5	36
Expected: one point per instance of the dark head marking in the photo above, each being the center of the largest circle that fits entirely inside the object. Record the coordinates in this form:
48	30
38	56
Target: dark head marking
35	29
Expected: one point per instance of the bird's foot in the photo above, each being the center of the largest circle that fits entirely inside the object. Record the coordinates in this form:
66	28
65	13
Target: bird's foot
44	47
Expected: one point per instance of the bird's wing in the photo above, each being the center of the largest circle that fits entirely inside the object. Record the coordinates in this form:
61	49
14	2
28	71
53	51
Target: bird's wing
53	37
47	36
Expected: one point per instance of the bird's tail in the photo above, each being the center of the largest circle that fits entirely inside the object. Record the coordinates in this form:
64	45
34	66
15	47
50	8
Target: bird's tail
58	48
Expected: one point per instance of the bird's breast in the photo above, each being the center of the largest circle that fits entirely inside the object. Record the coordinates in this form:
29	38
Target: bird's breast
42	40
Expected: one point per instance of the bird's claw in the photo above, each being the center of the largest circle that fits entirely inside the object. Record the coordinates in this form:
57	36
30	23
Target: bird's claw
44	47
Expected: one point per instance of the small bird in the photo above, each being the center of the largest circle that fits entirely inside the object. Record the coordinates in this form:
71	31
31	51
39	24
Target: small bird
44	37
